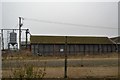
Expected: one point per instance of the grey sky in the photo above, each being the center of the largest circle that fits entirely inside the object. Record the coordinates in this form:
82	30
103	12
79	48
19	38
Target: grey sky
0	14
101	14
119	19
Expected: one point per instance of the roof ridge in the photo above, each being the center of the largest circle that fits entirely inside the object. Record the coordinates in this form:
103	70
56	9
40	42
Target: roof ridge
69	36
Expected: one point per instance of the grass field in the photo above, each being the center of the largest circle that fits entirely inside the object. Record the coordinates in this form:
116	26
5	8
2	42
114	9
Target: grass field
76	72
97	71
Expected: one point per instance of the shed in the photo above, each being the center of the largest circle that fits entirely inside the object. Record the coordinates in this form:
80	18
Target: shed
55	45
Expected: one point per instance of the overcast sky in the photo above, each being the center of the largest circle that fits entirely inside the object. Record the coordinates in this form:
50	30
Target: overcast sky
89	18
0	14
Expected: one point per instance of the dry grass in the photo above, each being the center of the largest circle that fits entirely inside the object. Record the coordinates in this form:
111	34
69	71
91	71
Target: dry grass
58	72
27	55
75	72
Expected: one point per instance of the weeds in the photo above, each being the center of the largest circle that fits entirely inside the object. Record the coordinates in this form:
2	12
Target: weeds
28	72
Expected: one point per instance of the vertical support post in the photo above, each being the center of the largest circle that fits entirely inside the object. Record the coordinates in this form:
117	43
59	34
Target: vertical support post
116	48
53	49
34	48
65	68
2	39
43	49
26	43
19	33
107	47
93	49
8	46
111	47
84	48
20	25
69	48
75	49
38	48
100	48
79	49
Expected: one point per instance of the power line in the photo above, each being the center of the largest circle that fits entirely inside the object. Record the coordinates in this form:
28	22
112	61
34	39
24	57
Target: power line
71	24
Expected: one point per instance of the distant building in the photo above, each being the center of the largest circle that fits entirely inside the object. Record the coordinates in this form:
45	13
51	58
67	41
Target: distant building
55	45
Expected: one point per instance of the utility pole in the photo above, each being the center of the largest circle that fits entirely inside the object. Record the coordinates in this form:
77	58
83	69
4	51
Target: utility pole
65	68
20	25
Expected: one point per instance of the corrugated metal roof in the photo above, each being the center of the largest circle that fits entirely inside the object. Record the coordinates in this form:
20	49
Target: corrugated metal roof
70	40
48	39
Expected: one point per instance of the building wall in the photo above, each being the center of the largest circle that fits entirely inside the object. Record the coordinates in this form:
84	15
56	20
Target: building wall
118	47
72	49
